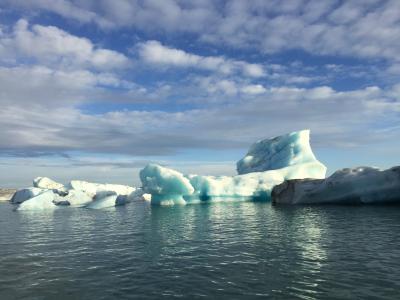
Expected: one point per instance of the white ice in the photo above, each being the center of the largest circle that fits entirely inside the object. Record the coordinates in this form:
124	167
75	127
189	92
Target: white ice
47	183
103	200
39	202
76	194
74	198
92	188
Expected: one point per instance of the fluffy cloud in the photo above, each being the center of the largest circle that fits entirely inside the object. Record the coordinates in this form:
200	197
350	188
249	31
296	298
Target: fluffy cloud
358	28
35	85
156	53
253	89
51	45
336	118
226	87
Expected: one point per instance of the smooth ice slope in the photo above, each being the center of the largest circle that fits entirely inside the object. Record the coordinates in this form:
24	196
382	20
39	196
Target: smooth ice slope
39	202
347	186
168	186
278	152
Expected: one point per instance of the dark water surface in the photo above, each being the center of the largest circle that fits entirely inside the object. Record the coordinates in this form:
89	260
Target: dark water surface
231	251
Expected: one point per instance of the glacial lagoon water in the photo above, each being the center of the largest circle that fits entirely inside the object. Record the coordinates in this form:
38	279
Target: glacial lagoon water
220	250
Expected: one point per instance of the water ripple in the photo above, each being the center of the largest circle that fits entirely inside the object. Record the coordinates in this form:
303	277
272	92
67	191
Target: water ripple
235	250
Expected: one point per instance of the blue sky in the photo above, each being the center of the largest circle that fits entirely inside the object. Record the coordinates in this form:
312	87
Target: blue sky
96	89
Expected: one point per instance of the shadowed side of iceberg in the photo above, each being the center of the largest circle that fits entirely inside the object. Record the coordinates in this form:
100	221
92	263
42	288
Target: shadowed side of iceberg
362	185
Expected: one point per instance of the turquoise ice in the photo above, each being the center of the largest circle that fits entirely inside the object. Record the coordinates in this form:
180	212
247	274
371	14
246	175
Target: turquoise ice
269	162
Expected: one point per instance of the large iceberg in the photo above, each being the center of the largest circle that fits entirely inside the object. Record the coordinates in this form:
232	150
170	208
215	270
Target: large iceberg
268	163
360	185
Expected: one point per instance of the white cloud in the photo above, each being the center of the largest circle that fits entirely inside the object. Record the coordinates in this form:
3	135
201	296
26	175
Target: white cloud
253	89
156	53
359	28
37	85
336	119
51	45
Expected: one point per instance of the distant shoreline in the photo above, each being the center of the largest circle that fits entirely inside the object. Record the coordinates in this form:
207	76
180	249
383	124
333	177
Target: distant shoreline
6	194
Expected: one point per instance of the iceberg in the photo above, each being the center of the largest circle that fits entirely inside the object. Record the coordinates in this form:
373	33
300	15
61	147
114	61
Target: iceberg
76	194
361	185
39	202
166	186
268	163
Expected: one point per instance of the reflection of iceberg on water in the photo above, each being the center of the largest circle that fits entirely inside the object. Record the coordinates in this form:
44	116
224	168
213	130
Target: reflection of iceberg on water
268	163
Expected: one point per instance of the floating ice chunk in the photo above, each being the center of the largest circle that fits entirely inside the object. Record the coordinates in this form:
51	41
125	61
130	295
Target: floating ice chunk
104	200
25	194
166	186
92	188
276	153
39	202
346	186
47	183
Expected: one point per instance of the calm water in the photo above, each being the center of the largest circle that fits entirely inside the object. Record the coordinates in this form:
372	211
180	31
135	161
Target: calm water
235	250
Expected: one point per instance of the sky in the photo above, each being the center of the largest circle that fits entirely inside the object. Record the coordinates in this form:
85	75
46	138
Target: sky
96	89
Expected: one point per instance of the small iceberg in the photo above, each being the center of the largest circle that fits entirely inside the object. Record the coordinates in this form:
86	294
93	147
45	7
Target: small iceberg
47	193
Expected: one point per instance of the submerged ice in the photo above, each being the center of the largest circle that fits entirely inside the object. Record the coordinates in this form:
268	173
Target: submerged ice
268	163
